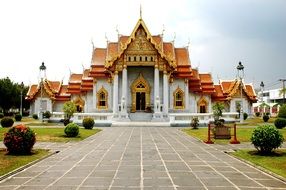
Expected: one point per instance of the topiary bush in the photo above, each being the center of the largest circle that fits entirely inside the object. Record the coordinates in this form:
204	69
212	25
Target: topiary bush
20	139
1	115
245	116
88	123
282	111
72	130
18	117
47	114
280	123
7	122
257	114
35	116
266	138
265	118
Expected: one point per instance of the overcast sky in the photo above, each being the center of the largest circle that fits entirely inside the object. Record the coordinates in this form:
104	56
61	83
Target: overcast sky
221	33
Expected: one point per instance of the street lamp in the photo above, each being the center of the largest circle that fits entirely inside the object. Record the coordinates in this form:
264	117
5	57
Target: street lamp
262	88
21	104
240	73
42	74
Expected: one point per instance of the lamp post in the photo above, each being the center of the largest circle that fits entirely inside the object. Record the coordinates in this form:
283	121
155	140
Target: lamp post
21	100
262	88
42	74
240	73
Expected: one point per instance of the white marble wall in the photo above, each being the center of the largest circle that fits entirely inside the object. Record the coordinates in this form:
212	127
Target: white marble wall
37	105
108	86
58	106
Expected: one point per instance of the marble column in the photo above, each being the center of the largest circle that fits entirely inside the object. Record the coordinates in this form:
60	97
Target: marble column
115	93
124	92
94	95
156	90
166	94
187	94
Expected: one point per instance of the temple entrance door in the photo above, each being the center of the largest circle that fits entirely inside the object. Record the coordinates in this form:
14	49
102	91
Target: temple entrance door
140	89
140	101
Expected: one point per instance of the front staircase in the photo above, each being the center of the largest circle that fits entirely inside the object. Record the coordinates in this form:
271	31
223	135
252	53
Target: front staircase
140	116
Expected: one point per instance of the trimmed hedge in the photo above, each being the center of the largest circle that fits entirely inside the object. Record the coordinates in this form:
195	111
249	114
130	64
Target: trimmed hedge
265	118
7	122
18	117
280	123
266	138
88	123
35	116
72	130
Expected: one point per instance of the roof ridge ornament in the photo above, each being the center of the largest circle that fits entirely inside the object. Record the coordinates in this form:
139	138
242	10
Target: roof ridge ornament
140	11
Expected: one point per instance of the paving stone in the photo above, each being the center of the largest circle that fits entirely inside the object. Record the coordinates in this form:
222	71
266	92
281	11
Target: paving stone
165	159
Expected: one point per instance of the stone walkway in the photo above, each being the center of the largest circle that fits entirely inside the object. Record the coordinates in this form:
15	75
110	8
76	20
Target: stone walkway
140	158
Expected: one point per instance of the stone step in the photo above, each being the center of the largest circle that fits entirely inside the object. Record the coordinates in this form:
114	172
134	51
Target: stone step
140	116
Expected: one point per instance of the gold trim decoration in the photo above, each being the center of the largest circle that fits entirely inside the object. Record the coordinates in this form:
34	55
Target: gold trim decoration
178	95
144	87
202	102
99	97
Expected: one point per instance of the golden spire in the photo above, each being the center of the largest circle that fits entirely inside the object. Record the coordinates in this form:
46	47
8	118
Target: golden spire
140	11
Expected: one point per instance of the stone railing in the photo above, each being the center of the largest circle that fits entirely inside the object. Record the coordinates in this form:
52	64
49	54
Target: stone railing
184	119
104	119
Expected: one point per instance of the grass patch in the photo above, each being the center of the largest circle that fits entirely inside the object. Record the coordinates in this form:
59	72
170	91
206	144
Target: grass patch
276	162
44	124
9	163
256	121
55	134
243	134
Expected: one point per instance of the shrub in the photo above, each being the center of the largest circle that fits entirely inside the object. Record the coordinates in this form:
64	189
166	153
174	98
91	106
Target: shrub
266	138
257	114
26	113
72	130
19	139
280	123
47	114
245	116
1	115
7	122
18	117
195	123
35	116
265	118
282	111
88	123
66	121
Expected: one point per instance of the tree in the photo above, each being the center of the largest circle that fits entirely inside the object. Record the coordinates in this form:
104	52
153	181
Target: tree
69	109
218	107
10	95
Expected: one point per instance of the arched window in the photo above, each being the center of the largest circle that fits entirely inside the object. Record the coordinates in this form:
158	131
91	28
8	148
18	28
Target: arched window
102	96
178	99
202	105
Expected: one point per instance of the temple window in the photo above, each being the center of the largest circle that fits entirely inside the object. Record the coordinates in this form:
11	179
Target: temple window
146	58
151	58
178	99
129	58
102	98
202	105
134	58
140	58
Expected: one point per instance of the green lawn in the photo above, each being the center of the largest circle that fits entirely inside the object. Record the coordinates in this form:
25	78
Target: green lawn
55	134
243	134
9	163
275	163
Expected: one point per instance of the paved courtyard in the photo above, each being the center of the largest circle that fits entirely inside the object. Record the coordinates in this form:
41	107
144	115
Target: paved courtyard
141	158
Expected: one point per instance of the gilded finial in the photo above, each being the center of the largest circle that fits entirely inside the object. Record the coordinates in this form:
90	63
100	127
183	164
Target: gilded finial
92	44
106	38
140	11
174	37
163	30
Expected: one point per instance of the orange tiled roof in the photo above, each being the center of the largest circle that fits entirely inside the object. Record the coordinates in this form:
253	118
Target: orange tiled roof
229	88
54	89
207	83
